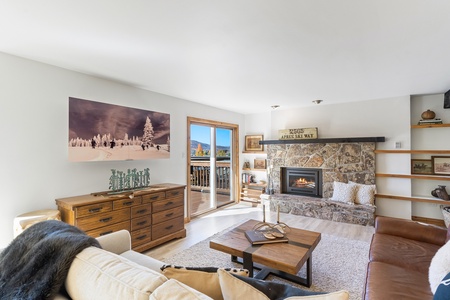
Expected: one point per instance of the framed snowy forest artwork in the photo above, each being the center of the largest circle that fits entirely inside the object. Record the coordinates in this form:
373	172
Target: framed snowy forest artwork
106	132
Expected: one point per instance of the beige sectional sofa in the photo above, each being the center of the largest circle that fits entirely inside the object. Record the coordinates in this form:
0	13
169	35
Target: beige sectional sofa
117	272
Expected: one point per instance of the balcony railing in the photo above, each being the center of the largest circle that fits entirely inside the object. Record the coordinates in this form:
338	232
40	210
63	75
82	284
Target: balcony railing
200	176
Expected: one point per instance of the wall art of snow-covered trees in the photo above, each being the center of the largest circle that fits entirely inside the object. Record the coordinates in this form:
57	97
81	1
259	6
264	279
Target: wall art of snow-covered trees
100	131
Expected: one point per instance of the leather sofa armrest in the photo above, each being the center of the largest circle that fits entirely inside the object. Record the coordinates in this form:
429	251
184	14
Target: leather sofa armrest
411	230
117	242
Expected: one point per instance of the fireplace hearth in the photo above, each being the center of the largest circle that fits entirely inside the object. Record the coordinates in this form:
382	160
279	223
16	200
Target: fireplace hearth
301	181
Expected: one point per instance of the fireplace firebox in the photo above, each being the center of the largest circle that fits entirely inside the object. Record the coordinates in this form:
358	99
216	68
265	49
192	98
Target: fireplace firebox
301	181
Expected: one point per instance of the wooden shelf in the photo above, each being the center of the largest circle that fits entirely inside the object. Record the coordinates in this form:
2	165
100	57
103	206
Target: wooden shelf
430	126
255	184
413	151
426	177
326	140
414	199
260	170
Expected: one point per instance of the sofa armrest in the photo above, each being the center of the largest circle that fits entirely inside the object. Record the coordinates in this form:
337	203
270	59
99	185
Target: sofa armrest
117	242
411	230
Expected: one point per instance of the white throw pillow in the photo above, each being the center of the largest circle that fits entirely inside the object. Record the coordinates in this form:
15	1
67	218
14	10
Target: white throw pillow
344	192
173	289
439	267
365	193
98	274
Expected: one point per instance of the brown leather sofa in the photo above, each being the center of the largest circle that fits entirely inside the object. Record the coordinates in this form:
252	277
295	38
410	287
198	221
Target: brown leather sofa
399	259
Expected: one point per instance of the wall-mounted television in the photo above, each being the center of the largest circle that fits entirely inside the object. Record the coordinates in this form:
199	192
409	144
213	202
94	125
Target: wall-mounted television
106	132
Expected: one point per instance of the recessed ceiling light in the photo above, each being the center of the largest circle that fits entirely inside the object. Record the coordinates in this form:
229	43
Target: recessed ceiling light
318	101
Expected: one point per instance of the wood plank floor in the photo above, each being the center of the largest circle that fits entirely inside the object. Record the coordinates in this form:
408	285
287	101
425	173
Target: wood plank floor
207	225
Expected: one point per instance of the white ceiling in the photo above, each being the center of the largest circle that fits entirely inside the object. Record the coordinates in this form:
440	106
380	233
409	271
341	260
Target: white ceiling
242	55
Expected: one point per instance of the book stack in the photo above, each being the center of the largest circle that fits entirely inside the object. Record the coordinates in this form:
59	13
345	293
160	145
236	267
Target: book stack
431	121
248	178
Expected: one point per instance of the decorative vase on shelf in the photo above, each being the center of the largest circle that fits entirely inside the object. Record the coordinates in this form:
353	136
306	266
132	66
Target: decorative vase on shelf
428	115
440	192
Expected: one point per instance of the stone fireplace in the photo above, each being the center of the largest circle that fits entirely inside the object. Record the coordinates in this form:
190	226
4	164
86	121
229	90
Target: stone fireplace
343	161
338	162
301	181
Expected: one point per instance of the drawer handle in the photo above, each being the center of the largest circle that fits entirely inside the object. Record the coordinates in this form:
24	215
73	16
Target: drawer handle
154	197
175	193
141	237
169	203
168	215
141	223
141	211
127	203
106	219
94	210
168	227
107	232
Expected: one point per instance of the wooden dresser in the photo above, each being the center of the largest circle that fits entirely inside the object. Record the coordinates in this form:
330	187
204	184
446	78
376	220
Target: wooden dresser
153	215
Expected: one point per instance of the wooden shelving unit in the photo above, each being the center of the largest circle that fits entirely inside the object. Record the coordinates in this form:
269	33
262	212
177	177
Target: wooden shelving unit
251	192
430	126
412	151
425	177
414	176
414	199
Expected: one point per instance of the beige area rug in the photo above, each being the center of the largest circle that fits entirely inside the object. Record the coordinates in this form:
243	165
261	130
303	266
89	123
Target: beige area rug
338	263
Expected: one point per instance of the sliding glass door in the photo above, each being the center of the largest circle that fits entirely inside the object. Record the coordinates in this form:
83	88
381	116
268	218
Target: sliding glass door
211	165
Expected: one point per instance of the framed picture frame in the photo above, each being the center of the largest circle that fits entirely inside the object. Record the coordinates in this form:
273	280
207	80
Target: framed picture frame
259	163
441	165
252	143
422	166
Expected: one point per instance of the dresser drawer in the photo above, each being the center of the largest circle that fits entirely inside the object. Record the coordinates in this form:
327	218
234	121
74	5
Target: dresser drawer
103	219
89	210
127	202
153	197
161	205
141	210
175	193
167	227
167	214
141	236
138	223
110	229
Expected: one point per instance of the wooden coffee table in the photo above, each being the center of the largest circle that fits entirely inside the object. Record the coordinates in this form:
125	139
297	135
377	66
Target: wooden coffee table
281	259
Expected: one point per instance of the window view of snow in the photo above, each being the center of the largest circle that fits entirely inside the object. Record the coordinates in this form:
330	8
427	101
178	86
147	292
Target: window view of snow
100	131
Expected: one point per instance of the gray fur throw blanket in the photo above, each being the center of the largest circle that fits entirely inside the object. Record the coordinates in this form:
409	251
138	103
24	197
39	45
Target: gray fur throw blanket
36	263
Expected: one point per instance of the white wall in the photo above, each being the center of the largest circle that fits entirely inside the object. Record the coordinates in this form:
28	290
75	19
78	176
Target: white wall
34	135
381	117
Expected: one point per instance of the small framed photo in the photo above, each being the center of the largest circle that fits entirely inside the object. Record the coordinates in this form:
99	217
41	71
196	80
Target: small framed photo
252	143
421	166
259	163
441	165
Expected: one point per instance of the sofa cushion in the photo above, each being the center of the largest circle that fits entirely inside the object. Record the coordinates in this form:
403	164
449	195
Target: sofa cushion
205	280
238	287
99	274
386	281
439	267
173	289
409	254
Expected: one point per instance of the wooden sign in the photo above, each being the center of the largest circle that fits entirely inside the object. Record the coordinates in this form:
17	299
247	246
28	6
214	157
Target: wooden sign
297	134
